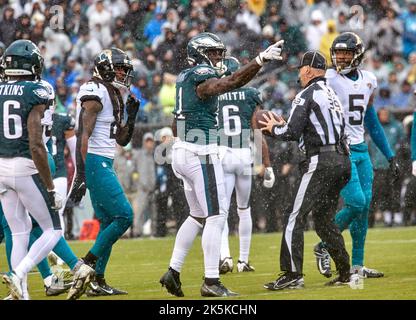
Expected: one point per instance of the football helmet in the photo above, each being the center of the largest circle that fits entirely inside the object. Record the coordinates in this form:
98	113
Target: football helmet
108	62
199	46
351	42
22	58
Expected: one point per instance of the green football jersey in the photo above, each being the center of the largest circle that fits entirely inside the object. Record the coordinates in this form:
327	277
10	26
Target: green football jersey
193	113
234	119
17	98
61	122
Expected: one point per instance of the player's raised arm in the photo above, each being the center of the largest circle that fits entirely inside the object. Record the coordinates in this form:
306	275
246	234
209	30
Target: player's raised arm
215	86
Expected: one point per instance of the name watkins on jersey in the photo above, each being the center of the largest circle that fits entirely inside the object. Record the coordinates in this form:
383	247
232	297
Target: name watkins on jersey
11	90
236	95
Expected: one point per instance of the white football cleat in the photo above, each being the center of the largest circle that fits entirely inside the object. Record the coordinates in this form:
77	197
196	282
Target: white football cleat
83	275
226	265
243	266
14	284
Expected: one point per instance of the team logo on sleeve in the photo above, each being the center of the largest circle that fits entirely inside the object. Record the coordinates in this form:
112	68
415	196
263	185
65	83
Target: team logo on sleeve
203	71
41	93
369	85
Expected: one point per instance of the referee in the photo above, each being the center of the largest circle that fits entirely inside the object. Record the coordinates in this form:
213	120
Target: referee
317	123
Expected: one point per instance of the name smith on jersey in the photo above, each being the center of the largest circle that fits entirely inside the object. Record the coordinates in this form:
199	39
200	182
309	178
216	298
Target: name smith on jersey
235	95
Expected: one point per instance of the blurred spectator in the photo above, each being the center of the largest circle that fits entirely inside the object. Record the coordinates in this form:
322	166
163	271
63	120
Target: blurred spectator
154	27
386	189
118	8
402	99
248	18
228	36
342	22
23	27
75	21
100	21
33	6
167	96
164	181
338	6
389	31
145	166
409	28
295	42
86	48
383	99
327	39
315	30
57	45
292	11
380	70
7	27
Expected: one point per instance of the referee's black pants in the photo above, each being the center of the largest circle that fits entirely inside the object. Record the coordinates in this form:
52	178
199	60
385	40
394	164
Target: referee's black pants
323	177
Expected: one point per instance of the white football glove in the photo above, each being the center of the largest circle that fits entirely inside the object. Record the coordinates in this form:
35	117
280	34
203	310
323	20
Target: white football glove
56	199
268	178
414	168
274	52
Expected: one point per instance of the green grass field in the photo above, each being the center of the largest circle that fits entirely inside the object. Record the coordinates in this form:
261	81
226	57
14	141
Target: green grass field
136	266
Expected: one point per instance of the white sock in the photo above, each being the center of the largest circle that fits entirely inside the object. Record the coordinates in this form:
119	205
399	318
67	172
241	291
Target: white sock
25	290
19	249
225	246
398	218
245	227
24	267
211	245
48	281
387	217
184	240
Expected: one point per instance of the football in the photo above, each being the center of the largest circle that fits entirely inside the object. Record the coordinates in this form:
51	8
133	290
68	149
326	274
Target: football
259	117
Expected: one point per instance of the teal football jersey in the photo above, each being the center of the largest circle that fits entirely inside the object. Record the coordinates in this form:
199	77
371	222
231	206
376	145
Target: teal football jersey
17	98
193	113
234	118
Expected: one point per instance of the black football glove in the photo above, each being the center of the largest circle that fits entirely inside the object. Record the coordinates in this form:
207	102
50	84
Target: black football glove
77	191
132	107
394	168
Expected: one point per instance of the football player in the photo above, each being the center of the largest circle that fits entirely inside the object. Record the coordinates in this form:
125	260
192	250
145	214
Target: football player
100	112
355	88
195	157
236	117
25	178
54	284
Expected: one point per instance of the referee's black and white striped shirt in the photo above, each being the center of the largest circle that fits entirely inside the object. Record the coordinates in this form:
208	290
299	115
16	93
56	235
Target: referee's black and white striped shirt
316	118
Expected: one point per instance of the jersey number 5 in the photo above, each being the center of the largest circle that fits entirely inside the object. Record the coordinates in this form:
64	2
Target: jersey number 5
12	123
354	107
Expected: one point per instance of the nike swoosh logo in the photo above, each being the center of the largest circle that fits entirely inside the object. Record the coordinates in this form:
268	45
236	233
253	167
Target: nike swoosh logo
93	286
108	291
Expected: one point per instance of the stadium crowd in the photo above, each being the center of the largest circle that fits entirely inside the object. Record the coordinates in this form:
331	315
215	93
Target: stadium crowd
155	34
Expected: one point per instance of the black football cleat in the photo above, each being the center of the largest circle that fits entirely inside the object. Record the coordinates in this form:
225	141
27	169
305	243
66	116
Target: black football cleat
286	280
216	290
171	281
103	289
